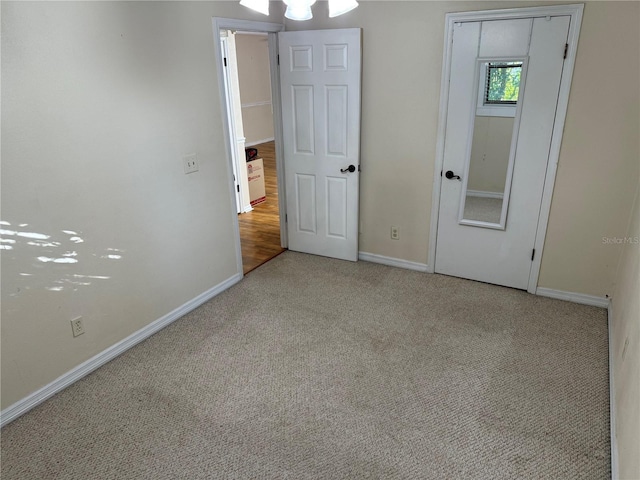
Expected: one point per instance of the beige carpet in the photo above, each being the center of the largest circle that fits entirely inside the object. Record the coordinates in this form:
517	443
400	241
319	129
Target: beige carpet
318	368
483	209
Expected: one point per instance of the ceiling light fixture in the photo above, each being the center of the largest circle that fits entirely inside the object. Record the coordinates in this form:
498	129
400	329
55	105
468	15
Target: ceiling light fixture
301	9
261	6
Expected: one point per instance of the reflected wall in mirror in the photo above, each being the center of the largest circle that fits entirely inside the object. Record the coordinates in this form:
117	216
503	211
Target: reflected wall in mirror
488	168
492	149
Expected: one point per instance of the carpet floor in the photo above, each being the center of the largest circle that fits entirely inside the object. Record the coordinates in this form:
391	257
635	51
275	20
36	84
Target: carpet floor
318	368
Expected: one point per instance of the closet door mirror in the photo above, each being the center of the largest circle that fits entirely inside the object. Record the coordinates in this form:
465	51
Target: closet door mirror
492	142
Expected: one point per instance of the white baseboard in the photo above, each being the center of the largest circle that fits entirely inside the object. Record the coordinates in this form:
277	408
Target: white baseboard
23	406
393	262
482	194
612	401
582	298
258	142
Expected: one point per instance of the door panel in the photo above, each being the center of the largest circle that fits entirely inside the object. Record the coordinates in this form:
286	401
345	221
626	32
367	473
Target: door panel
491	254
505	38
336	208
320	83
306	203
303	119
337	108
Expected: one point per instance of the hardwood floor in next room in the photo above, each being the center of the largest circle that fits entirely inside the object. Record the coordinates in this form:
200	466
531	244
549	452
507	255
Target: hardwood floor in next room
260	228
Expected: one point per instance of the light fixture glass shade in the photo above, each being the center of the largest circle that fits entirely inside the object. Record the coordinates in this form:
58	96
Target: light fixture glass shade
299	9
298	13
338	7
261	6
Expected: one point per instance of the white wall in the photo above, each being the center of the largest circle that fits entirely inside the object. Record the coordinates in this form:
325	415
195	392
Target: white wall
255	87
100	101
625	327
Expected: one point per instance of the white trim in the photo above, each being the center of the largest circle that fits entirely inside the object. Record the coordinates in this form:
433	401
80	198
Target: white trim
271	30
512	13
256	104
245	27
483	194
573	10
584	299
496	111
615	475
393	262
276	102
258	142
259	34
229	134
440	140
36	398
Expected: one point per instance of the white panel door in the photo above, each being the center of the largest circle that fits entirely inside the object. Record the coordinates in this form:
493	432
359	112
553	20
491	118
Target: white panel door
320	83
498	251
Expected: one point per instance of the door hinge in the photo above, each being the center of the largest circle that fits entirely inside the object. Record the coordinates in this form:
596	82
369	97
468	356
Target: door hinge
566	50
238	188
286	218
225	61
533	254
278	59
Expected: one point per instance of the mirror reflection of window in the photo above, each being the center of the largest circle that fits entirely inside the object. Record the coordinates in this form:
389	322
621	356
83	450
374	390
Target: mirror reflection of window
502	84
498	94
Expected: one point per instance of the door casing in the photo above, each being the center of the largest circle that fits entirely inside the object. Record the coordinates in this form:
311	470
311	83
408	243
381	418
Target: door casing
575	11
272	30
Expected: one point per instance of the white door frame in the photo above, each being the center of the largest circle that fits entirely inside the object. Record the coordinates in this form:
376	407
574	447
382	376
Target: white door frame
235	124
272	30
575	12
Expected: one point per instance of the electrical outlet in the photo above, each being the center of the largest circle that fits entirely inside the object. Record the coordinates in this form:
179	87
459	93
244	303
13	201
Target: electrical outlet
190	163
77	328
395	233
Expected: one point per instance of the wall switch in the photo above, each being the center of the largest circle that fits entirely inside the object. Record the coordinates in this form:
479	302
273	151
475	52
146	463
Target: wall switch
77	328
395	233
190	163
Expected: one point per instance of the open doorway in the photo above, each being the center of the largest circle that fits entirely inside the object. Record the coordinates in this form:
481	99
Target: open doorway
260	228
252	136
